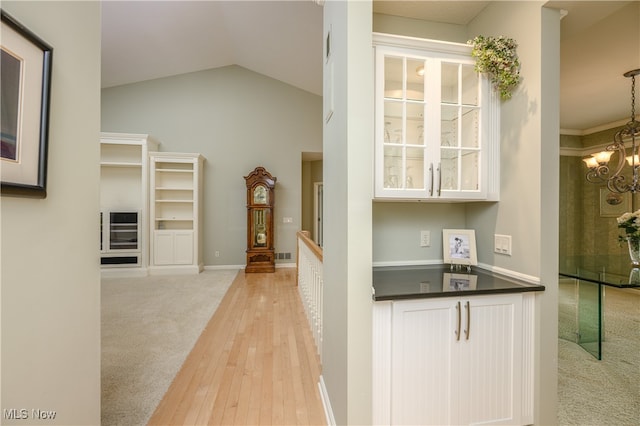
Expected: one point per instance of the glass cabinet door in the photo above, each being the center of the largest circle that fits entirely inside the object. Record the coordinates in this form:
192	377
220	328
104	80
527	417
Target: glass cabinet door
437	122
403	138
459	127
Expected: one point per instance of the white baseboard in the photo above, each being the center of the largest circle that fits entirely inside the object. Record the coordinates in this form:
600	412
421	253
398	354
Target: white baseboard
324	395
278	265
172	270
509	273
408	263
220	267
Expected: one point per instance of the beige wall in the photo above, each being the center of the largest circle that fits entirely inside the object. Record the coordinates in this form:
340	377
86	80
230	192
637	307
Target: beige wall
418	28
238	120
50	279
348	177
528	207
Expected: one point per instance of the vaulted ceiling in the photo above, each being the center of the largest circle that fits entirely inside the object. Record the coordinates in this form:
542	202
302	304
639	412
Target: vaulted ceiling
143	40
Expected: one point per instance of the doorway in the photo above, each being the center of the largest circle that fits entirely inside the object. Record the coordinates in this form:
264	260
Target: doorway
317	213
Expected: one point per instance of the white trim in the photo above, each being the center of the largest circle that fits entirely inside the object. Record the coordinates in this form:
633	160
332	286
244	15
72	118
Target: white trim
326	403
408	263
574	152
509	273
135	137
222	267
528	367
583	152
317	213
571	132
421	43
381	362
278	265
596	129
498	270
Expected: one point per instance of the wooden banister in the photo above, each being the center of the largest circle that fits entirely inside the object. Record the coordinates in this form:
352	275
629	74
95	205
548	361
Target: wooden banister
316	249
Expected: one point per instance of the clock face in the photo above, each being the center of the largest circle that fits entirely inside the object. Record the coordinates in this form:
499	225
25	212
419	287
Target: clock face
260	195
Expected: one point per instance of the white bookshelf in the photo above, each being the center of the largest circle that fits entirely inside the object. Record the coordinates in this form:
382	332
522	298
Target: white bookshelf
175	213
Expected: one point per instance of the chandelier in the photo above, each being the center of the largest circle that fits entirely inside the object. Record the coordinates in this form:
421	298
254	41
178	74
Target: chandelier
598	164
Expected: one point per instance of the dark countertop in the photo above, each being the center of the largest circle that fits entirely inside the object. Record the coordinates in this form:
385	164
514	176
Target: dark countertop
418	282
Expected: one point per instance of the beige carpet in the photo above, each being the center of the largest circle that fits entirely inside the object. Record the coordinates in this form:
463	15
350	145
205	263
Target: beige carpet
149	326
605	392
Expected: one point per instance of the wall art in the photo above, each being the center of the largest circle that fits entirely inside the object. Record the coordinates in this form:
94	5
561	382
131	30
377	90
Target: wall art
25	80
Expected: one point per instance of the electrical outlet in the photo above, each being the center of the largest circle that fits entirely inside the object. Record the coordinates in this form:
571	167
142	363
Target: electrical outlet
217	253
425	238
287	220
502	244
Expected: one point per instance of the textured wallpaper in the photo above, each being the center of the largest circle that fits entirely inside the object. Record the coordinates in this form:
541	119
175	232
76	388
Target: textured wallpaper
585	226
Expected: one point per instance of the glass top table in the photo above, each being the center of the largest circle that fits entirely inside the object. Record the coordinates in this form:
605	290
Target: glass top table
587	277
608	270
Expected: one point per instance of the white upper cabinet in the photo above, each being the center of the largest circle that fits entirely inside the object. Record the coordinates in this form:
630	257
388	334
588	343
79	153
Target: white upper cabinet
437	122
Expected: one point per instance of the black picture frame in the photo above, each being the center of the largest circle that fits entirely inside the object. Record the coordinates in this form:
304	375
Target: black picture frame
26	96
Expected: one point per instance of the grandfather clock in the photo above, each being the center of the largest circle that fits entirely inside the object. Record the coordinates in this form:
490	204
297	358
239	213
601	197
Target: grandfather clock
260	201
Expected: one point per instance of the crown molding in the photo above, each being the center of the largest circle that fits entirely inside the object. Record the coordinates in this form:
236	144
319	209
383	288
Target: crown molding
596	129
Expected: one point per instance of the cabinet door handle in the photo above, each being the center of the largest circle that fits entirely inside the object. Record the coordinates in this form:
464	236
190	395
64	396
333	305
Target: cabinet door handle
467	332
431	180
459	321
439	179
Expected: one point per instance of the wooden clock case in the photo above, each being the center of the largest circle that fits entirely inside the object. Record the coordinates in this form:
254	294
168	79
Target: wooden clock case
260	237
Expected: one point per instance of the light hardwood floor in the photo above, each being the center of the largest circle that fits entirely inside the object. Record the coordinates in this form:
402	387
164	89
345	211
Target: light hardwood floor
254	364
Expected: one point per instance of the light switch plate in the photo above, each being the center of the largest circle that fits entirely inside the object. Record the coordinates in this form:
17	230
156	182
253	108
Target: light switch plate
425	238
502	244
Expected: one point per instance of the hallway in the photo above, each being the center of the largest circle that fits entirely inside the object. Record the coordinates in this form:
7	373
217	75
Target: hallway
254	363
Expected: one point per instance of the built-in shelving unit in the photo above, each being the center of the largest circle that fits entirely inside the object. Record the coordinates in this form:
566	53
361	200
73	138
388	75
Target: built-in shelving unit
124	199
175	212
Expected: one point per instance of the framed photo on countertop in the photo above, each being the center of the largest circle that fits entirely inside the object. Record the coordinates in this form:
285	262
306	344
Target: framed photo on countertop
459	247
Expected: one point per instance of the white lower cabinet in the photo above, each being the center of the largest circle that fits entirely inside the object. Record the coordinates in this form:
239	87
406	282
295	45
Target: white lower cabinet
173	247
453	361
